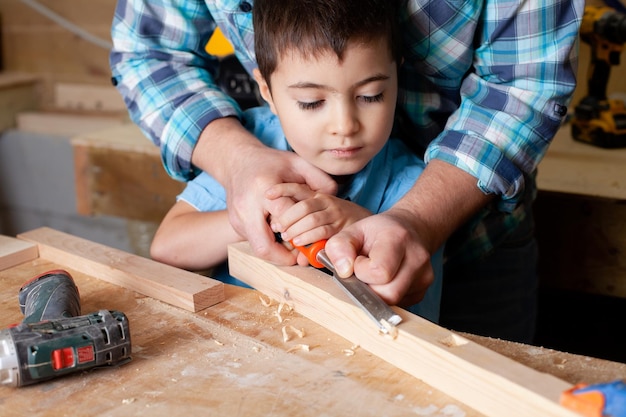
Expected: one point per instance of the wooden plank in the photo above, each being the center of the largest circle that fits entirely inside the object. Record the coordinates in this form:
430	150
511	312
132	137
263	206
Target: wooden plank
480	378
15	251
64	124
119	173
88	97
174	286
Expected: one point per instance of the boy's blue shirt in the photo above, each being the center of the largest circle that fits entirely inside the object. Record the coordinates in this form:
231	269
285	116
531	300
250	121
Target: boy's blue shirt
378	186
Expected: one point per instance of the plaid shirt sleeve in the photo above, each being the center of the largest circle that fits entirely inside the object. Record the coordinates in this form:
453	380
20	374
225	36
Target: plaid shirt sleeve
162	70
488	82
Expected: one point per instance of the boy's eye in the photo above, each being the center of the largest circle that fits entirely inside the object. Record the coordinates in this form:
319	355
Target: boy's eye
309	105
373	99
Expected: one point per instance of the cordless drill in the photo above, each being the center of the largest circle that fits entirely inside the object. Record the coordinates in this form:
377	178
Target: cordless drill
53	339
598	120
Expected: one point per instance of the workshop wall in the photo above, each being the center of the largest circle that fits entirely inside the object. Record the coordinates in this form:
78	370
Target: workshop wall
66	43
34	43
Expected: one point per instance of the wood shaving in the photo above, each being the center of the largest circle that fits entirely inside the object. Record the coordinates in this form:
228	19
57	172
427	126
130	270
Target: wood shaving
303	347
266	303
391	330
290	329
351	351
279	310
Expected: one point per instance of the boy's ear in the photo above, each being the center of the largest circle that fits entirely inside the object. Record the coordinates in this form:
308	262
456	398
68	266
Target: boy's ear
264	89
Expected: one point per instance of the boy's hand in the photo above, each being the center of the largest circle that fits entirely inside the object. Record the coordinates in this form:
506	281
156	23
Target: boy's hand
247	169
314	216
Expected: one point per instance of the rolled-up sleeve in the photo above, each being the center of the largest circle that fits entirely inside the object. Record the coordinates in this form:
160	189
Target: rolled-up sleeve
160	66
516	95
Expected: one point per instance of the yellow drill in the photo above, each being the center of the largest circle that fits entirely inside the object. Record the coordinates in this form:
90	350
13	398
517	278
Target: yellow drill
598	120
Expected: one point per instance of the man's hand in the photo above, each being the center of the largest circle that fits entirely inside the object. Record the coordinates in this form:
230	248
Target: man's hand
386	252
391	251
247	169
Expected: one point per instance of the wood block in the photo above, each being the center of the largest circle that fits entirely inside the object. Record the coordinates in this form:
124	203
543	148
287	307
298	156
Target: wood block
119	173
64	124
15	251
174	286
487	381
88	97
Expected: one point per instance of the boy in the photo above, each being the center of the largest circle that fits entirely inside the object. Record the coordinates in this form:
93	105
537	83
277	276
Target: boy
328	70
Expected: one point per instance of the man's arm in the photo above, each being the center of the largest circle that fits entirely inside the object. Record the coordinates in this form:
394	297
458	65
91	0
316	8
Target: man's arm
512	103
167	80
392	250
160	67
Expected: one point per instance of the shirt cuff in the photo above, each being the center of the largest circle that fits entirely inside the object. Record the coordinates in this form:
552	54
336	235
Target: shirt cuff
496	174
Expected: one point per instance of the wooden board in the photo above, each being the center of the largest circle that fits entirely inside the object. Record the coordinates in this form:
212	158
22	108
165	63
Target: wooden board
14	252
480	378
119	173
65	124
87	97
163	282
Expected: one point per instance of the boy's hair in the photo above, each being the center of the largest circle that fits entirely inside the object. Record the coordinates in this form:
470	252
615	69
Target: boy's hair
316	26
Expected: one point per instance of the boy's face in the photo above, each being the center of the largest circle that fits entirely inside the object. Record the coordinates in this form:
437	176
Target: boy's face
336	115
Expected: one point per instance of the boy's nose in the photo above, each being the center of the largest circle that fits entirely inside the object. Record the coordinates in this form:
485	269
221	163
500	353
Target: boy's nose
344	121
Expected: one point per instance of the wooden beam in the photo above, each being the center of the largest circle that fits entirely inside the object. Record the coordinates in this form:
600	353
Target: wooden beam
65	124
119	173
15	251
88	97
174	286
487	381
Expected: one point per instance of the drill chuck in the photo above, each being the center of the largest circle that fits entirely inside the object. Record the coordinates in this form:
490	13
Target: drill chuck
612	27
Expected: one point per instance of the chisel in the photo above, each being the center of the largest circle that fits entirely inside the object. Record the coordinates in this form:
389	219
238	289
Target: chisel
361	293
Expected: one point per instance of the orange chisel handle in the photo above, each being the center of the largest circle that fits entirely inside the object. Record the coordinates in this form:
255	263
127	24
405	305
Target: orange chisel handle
311	251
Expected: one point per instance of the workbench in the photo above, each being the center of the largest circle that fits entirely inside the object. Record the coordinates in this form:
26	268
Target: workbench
231	359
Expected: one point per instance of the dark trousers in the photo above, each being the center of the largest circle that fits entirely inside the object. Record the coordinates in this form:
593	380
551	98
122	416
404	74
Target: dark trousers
496	295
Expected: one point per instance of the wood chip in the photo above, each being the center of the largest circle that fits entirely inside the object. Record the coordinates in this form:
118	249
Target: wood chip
286	330
392	331
266	303
306	348
351	351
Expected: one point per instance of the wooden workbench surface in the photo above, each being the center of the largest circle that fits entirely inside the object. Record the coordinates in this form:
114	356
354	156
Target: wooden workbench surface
573	167
231	359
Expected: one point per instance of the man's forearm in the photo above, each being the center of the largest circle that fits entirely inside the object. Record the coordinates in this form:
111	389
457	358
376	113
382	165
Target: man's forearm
442	199
221	141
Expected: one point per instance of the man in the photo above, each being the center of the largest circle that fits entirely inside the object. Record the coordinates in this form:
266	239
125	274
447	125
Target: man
483	88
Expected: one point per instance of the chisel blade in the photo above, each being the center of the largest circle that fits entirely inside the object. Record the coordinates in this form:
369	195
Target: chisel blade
363	296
